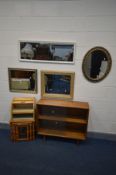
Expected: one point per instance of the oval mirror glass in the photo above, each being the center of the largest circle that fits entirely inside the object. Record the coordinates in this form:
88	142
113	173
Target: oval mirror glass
96	64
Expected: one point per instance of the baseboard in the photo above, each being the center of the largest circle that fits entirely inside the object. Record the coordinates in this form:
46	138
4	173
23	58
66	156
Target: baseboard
106	136
4	126
97	135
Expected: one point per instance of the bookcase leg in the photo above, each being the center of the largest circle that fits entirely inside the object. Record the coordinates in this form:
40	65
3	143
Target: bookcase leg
44	138
77	142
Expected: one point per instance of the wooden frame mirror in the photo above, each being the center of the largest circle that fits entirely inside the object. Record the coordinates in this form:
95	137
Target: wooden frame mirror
55	84
96	64
22	80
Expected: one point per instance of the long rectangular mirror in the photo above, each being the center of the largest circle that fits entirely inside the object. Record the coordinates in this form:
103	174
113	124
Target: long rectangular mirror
22	80
43	51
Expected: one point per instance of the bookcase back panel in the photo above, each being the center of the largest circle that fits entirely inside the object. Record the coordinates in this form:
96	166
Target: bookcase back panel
56	125
63	111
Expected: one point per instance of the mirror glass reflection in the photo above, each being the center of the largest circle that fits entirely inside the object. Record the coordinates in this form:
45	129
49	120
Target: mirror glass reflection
96	64
22	80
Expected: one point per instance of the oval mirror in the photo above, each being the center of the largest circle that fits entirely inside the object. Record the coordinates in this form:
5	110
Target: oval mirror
96	64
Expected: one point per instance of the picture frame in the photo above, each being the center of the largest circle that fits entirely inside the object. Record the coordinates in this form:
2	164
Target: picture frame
57	84
50	52
22	80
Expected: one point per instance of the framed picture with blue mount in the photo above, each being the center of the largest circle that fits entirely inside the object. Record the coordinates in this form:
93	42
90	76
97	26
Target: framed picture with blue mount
50	52
57	84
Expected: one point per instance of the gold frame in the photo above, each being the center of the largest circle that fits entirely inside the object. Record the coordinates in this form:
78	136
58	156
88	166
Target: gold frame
109	59
56	95
33	91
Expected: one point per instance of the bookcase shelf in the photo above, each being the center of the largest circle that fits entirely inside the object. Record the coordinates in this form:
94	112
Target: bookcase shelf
22	111
63	119
23	108
67	119
62	133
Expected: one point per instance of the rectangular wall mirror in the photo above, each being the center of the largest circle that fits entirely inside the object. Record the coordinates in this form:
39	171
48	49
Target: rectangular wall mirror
22	80
52	52
55	84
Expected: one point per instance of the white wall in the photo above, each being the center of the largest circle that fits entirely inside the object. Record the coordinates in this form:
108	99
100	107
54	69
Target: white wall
89	23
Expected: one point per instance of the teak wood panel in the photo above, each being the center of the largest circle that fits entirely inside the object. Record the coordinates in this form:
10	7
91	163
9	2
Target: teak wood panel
62	103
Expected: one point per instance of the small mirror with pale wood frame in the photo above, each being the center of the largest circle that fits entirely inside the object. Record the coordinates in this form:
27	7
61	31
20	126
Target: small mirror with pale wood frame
22	80
56	84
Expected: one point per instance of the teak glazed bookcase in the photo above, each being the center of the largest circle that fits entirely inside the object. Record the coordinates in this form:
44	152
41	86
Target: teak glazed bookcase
67	119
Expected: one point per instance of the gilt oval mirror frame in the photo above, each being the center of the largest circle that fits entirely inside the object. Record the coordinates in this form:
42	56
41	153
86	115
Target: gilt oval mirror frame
96	64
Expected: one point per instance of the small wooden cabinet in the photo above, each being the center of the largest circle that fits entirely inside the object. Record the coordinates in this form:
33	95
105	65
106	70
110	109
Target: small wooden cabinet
67	119
22	130
22	123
